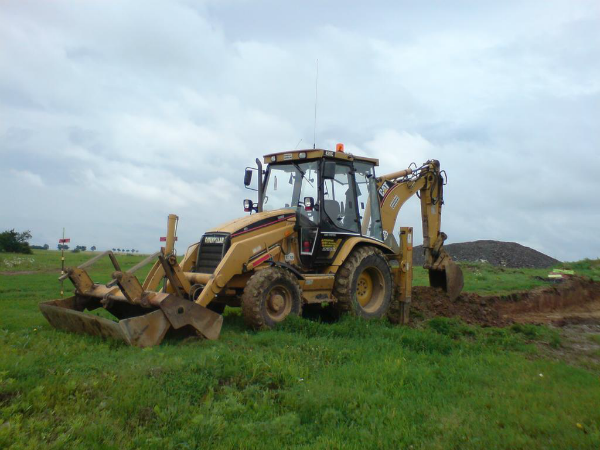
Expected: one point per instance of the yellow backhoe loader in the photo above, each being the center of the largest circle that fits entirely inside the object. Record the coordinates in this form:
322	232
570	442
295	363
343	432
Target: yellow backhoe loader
321	234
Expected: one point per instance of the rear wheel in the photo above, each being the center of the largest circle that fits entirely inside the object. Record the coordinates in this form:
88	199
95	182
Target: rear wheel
270	295
363	284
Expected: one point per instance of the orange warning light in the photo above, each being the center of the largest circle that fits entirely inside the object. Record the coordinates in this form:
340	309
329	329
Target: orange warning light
339	147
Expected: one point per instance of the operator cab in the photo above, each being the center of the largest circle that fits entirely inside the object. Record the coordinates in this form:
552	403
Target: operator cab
334	195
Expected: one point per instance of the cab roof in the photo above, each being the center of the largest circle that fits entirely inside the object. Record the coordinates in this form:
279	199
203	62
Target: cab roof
301	155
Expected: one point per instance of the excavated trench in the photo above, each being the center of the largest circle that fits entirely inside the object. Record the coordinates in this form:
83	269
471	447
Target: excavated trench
574	301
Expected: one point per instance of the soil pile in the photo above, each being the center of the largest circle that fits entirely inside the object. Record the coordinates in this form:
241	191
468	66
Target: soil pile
497	253
575	300
428	303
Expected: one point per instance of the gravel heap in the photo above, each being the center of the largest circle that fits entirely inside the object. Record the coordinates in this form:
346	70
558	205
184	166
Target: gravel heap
497	253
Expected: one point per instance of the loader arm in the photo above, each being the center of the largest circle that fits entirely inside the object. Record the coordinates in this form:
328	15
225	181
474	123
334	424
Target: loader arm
427	182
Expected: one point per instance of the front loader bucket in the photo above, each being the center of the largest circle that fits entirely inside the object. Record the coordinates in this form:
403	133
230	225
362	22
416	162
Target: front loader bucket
143	330
450	279
143	316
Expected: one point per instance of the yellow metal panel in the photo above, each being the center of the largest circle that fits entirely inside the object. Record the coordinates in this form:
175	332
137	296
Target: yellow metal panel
189	260
317	282
242	222
394	198
349	245
242	249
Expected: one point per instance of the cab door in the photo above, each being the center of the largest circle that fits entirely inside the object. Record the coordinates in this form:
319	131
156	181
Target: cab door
369	208
340	219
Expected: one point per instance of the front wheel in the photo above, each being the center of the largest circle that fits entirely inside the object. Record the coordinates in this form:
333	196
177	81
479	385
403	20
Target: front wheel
270	295
363	284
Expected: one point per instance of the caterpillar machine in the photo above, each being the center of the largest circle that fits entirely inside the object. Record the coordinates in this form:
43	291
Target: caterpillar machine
320	236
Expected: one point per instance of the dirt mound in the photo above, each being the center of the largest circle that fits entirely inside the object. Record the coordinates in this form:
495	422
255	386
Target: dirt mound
428	303
497	253
573	301
576	300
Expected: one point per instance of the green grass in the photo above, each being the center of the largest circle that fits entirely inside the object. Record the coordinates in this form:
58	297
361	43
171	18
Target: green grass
486	279
352	384
49	261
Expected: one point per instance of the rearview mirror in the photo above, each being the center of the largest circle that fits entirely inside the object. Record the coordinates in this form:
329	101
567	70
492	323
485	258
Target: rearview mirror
328	170
247	177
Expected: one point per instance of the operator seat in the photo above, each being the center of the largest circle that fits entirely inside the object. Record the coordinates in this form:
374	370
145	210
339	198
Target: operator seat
332	208
350	216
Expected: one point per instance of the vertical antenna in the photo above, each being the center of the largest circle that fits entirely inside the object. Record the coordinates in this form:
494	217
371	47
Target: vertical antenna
316	97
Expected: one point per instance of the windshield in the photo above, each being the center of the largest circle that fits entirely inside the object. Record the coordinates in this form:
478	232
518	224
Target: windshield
288	184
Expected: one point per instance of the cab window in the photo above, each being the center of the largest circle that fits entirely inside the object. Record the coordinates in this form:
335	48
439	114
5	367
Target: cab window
339	199
368	201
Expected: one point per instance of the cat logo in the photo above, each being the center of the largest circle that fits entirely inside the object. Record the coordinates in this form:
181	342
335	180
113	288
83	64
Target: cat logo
214	239
383	189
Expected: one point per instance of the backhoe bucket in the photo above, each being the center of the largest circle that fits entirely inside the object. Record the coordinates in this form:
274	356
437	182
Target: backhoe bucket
138	326
449	278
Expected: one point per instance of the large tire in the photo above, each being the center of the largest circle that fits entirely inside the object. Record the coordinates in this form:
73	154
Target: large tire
270	296
363	284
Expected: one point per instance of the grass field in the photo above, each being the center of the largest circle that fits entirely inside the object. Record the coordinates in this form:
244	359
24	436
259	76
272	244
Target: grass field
352	384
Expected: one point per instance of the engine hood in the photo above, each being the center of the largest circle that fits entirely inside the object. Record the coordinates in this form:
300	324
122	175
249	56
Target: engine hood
252	221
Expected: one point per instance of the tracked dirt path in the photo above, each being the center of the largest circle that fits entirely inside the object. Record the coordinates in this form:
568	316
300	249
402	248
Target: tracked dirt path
29	272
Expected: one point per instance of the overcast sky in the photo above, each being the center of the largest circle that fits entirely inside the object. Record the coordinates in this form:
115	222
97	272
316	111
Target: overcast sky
115	114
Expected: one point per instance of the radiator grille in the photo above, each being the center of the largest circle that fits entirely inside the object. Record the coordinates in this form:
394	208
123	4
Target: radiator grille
211	250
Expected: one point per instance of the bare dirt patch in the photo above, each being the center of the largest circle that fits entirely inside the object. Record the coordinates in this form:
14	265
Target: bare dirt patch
576	300
579	346
572	306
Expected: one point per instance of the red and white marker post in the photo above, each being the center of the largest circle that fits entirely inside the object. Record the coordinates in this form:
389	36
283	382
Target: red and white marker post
62	259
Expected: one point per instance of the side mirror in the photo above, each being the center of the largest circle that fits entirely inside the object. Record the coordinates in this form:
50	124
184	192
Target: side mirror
309	203
328	170
247	177
248	205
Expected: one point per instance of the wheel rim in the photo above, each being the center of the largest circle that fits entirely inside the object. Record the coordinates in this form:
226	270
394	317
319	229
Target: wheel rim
370	291
278	303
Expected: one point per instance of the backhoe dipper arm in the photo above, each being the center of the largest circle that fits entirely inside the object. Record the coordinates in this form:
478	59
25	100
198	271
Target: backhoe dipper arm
427	182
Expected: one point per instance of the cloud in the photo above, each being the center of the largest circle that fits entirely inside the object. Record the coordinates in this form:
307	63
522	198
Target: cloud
114	115
28	177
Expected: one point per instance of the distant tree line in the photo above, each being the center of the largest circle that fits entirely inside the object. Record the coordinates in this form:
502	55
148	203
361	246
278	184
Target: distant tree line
14	242
77	249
